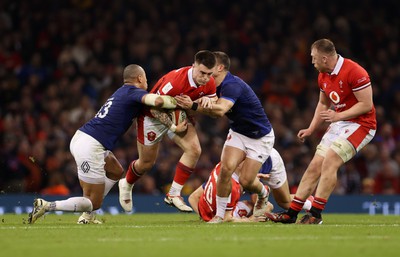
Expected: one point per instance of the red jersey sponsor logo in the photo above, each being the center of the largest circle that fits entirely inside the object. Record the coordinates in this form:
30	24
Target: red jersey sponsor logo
335	98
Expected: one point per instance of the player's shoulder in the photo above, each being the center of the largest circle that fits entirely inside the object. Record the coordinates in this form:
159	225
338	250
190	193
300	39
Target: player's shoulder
130	89
232	81
180	72
177	75
351	66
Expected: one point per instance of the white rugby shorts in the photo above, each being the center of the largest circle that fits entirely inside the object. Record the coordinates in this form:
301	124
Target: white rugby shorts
257	149
278	174
345	133
89	156
151	131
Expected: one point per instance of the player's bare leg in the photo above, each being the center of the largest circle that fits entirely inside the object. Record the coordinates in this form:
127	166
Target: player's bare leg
230	159
282	195
250	183
147	157
326	185
190	144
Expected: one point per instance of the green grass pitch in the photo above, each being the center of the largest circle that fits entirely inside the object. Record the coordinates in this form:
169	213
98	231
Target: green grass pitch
178	234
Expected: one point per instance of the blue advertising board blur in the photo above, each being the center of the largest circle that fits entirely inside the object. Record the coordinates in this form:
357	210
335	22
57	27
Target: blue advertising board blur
363	204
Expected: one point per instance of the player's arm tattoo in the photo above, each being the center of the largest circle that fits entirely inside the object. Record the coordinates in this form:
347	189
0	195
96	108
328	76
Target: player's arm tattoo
162	116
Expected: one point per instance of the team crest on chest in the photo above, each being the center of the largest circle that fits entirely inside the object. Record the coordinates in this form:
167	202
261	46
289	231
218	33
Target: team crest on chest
341	86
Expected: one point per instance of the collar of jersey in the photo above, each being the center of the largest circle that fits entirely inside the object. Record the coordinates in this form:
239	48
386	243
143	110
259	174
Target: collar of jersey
338	65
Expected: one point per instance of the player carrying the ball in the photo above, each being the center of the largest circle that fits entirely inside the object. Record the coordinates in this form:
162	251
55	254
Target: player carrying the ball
197	82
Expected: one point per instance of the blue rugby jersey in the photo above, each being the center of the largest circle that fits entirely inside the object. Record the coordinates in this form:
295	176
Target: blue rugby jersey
116	116
247	115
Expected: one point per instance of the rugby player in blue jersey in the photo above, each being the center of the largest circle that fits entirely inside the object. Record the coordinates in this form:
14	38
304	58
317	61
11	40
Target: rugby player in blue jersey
91	146
250	139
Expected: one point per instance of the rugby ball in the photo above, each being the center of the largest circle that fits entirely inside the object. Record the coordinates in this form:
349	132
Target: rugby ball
177	116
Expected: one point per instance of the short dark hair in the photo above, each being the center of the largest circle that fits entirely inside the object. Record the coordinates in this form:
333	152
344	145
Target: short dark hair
205	57
325	46
223	58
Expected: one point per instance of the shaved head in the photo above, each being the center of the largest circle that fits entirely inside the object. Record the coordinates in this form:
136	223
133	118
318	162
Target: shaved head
135	75
132	71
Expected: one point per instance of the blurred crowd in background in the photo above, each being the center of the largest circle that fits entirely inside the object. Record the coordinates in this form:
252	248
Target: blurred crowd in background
60	61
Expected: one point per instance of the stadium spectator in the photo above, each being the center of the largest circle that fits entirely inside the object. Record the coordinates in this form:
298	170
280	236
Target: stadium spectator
252	39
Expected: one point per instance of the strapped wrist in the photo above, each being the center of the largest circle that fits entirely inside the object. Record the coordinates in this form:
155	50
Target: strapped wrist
194	106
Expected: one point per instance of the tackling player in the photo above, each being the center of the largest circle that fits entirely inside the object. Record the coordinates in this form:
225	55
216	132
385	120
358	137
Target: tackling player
91	146
250	137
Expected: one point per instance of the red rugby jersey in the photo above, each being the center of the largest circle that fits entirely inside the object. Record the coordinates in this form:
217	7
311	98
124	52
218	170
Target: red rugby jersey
180	82
340	85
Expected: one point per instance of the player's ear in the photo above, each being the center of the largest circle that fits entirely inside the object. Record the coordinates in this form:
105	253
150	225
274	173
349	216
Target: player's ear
140	78
220	67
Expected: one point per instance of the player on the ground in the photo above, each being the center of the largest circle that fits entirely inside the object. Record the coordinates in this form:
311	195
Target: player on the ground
196	82
346	86
91	146
273	172
250	137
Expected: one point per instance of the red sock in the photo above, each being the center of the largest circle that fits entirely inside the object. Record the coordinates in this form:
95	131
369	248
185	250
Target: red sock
182	173
297	204
131	175
319	203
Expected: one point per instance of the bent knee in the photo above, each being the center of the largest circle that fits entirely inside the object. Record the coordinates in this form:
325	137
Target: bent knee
115	174
246	183
195	150
144	166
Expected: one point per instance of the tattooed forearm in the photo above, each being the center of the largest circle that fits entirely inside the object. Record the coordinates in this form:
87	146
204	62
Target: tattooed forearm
163	117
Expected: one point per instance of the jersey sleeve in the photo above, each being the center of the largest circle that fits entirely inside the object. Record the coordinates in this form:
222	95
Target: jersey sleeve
136	94
231	92
320	82
358	78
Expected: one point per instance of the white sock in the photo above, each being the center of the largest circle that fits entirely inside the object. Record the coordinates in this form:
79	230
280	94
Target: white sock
222	202
175	189
263	193
73	204
108	184
307	205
